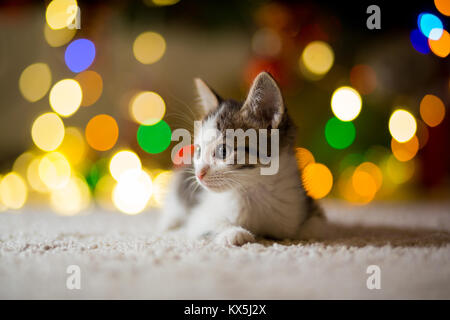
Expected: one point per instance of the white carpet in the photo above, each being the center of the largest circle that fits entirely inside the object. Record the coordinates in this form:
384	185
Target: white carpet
120	258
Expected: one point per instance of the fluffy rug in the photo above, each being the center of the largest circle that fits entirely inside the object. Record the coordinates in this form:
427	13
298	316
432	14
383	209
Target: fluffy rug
121	258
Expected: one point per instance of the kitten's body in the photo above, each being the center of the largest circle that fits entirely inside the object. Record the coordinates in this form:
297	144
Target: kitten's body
235	202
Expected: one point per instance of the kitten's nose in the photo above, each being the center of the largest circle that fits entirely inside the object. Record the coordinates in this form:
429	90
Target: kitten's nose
203	172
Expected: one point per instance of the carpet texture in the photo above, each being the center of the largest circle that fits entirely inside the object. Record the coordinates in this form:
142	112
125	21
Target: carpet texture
120	257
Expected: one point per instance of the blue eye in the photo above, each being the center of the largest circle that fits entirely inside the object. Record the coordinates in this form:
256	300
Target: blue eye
222	151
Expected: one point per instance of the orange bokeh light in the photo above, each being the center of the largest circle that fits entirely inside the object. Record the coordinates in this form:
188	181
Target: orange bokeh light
441	47
92	86
102	132
304	157
432	110
405	151
443	6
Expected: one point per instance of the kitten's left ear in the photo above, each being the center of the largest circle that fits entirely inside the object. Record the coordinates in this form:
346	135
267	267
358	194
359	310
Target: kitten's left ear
209	100
264	102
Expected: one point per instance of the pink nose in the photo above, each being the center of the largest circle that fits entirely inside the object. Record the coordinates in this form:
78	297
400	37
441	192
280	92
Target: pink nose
203	172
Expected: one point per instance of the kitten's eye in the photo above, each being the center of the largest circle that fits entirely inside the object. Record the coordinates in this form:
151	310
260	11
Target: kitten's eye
197	151
222	151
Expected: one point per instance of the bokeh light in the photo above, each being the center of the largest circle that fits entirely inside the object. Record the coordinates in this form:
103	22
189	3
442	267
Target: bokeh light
363	78
22	162
73	145
79	55
304	157
430	25
47	131
59	13
58	38
65	97
102	132
398	172
54	170
35	81
103	192
13	191
443	6
123	161
72	198
402	125
161	2
317	180
317	58
346	103
155	138
33	178
132	192
432	110
339	134
147	108
266	42
160	187
374	171
422	133
91	85
149	47
441	46
419	41
405	151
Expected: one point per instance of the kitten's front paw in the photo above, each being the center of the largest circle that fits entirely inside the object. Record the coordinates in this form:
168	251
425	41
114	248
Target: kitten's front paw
234	236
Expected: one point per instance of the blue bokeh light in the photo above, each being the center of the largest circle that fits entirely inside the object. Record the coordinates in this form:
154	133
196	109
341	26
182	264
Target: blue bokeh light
419	41
430	25
79	55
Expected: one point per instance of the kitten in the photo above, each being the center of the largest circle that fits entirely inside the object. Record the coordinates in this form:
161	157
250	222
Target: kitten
232	203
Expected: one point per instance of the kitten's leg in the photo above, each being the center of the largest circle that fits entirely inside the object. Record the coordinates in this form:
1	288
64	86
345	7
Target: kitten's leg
234	236
178	201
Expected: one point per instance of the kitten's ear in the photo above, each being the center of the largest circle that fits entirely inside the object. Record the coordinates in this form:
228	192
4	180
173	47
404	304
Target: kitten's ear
209	100
264	102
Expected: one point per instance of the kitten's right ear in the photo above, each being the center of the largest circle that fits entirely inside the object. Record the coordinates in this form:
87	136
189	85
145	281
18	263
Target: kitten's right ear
209	100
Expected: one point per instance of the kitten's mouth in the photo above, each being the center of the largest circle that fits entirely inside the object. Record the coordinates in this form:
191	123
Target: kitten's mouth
213	183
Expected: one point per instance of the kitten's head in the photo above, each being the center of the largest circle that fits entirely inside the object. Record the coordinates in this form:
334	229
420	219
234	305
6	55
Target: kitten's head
221	163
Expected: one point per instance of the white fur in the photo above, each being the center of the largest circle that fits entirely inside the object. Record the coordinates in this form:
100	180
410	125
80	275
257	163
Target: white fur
257	205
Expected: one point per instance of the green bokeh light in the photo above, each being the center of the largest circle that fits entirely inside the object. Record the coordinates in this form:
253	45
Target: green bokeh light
339	134
155	138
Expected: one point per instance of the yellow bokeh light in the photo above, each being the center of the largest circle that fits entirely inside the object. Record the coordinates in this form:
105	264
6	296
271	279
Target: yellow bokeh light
2	205
33	178
72	198
22	162
149	47
58	38
60	13
161	2
364	184
73	145
35	81
405	151
132	192
317	58
432	110
402	125
352	177
304	157
65	97
123	161
103	192
160	187
54	170
13	191
91	85
399	172
47	131
346	103
317	179
102	132
147	108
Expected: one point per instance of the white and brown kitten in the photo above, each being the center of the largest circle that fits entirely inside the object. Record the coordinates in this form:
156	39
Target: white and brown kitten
235	202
